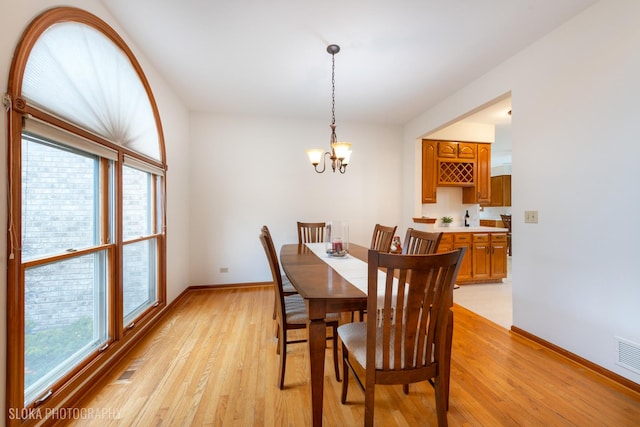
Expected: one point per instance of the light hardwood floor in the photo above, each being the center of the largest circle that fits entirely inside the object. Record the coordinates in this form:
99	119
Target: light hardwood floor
492	301
212	361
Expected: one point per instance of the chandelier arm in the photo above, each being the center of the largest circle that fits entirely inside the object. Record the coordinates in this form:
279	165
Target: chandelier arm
324	163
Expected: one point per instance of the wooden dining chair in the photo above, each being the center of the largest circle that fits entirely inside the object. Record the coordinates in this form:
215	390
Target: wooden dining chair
506	220
410	339
291	312
287	287
382	238
310	232
381	242
418	242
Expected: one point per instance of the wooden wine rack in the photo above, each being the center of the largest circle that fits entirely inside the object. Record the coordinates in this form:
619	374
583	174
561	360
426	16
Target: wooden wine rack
455	173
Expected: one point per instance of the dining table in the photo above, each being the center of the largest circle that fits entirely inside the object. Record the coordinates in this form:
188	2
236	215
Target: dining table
324	291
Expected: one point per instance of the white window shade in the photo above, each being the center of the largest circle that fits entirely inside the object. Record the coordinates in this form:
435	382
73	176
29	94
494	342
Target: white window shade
143	166
77	73
47	131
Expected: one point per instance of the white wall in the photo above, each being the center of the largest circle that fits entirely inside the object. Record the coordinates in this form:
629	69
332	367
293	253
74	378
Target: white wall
252	171
463	131
14	17
576	133
501	150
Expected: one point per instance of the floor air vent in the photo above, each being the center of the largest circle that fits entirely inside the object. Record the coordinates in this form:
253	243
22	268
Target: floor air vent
125	377
628	354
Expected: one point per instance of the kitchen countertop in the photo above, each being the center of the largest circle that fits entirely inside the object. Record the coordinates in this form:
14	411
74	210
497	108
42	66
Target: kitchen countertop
457	229
431	226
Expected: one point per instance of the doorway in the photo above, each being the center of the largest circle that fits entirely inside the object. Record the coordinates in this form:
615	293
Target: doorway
492	301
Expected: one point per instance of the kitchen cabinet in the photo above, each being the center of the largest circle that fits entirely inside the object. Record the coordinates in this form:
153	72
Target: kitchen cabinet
500	191
481	256
463	240
429	171
498	255
446	243
457	150
486	258
492	223
481	191
456	164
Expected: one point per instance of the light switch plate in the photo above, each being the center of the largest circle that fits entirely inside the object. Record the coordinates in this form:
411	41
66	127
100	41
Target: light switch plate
531	217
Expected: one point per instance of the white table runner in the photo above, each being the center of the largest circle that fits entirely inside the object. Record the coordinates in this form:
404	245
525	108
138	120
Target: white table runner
353	269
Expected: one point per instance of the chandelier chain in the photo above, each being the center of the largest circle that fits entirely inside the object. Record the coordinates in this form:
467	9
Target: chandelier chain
333	89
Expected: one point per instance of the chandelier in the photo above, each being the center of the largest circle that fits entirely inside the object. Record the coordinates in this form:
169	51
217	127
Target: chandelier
340	151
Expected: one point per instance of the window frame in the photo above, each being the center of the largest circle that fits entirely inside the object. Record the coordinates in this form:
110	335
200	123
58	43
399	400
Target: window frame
150	236
72	386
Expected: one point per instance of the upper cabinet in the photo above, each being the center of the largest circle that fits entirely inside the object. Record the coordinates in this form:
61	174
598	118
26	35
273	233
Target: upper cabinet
456	164
481	192
456	150
500	191
429	174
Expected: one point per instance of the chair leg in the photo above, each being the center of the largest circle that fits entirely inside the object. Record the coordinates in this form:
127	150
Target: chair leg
335	351
444	369
369	400
405	388
353	316
441	400
282	349
345	370
274	310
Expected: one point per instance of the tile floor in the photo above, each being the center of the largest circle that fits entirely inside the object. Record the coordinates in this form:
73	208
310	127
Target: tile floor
492	301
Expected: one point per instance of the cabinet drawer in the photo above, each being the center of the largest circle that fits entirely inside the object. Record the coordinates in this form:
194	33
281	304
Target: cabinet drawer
462	238
478	238
446	238
498	237
446	243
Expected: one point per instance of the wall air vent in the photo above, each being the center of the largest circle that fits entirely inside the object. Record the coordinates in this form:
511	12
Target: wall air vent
628	354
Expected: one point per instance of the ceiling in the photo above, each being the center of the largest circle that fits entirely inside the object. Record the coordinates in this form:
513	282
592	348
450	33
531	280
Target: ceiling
398	58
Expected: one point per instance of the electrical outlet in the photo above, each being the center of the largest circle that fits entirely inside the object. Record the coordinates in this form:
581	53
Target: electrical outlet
531	217
224	269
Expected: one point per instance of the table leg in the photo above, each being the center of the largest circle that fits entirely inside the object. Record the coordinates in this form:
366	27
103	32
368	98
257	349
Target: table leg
317	345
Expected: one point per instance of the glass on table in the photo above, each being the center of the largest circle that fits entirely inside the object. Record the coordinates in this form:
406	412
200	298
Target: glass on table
336	237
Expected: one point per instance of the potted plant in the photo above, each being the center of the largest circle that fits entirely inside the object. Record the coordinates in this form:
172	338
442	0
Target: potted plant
446	221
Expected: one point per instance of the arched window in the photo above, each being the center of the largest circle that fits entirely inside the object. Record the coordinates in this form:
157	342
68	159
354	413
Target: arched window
86	270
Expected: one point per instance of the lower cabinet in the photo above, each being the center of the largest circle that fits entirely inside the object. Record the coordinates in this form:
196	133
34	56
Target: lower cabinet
485	259
498	256
446	243
463	240
481	256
